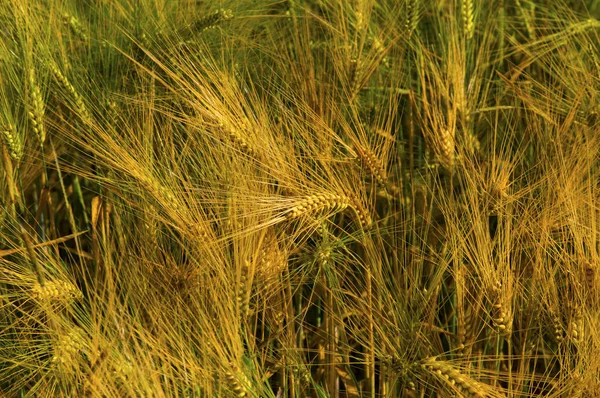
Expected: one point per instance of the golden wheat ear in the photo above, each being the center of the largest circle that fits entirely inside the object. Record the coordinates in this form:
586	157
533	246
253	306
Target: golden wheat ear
66	85
36	112
13	141
56	291
373	164
325	202
447	373
467	11
446	148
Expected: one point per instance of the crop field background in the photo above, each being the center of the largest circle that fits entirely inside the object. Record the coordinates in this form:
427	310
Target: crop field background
319	198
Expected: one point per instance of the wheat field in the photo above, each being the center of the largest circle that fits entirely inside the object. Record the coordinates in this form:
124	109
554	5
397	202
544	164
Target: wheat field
300	198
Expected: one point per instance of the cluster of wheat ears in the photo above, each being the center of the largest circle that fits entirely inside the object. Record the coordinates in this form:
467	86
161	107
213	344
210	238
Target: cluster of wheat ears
299	198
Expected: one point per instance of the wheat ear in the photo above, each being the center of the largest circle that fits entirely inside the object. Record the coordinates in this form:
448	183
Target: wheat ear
238	381
589	276
67	348
466	7
471	142
557	325
464	312
329	202
270	263
362	214
445	148
13	141
56	291
576	330
501	313
413	10
449	374
237	138
244	290
209	22
36	114
317	203
32	256
64	83
373	164
75	26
